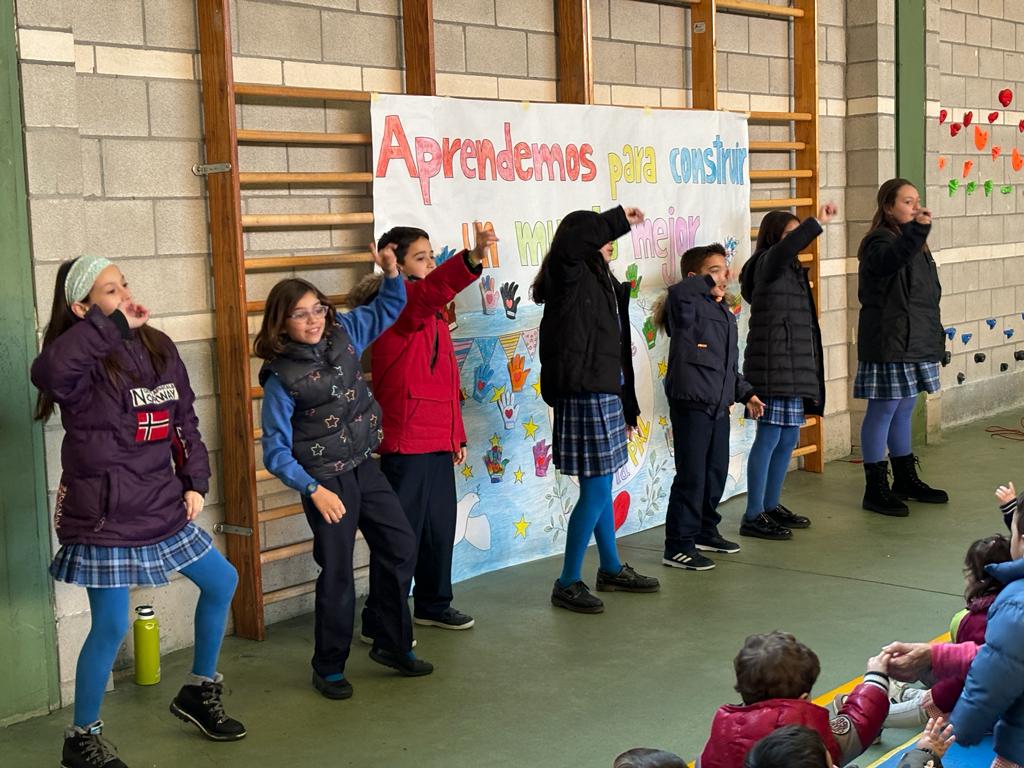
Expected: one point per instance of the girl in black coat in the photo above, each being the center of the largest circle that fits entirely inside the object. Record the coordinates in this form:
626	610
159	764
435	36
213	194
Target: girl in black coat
899	344
586	376
783	362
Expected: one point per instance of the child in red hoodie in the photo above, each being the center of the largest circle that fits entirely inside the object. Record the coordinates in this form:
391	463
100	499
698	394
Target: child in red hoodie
416	382
774	675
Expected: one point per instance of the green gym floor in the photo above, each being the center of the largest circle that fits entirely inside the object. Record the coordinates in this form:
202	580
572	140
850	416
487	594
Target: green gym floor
532	685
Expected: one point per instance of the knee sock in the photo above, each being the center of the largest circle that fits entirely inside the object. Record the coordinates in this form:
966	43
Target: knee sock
899	430
216	579
109	609
875	429
779	466
761	451
595	497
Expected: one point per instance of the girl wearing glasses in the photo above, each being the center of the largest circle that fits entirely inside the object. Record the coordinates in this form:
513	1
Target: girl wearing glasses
320	425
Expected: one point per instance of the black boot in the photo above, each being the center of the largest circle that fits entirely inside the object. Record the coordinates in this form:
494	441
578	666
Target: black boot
86	748
201	706
878	497
907	485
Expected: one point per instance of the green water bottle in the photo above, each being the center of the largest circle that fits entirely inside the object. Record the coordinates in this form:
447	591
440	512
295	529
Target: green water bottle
146	632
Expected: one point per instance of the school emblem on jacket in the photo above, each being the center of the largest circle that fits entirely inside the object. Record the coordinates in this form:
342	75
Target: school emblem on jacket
841	725
152	426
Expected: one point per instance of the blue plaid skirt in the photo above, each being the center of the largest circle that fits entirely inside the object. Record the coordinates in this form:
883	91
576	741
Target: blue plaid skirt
894	381
90	565
589	435
784	411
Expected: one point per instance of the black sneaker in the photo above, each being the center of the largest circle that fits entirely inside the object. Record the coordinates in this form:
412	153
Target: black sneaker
690	561
406	663
86	748
626	580
763	527
201	705
450	619
576	597
332	689
716	543
787	518
370	640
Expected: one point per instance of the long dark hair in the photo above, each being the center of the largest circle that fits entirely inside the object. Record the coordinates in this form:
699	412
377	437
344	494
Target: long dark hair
283	297
773	225
156	344
886	197
580	234
993	549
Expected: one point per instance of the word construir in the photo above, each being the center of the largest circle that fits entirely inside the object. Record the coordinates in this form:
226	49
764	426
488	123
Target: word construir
480	159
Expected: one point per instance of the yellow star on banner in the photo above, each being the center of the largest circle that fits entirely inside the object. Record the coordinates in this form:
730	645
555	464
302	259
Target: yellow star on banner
518	474
536	388
467	471
521	525
662	368
495	440
662	421
531	428
496	394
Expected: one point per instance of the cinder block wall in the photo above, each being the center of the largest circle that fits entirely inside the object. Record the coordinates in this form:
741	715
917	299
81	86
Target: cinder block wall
975	49
113	127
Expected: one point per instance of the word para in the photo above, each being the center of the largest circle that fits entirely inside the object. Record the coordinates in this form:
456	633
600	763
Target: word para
636	164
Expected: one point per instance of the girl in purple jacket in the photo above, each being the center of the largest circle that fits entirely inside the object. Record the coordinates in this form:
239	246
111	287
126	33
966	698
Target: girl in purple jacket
134	475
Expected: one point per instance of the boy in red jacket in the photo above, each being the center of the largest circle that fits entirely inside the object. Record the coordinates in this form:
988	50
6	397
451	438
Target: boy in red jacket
416	382
774	675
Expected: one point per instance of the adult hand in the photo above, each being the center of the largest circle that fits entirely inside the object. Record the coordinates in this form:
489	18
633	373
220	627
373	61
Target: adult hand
485	238
386	259
936	738
193	504
1006	493
923	216
908	660
328	504
827	212
633	215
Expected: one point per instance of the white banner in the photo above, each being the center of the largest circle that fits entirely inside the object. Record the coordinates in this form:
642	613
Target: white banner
441	164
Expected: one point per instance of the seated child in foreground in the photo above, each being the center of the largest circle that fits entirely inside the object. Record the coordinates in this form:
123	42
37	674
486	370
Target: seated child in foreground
797	746
774	676
643	757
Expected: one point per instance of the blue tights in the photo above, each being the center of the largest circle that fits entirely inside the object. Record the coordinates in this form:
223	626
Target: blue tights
592	515
887	422
767	466
216	579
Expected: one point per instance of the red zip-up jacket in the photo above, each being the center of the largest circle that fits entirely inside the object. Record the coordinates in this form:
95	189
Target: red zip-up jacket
737	728
415	375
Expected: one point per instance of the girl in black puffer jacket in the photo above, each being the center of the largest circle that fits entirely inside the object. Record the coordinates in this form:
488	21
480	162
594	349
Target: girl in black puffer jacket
783	362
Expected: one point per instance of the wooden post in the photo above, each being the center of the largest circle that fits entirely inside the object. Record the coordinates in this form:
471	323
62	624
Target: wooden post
575	68
418	31
805	99
704	58
238	468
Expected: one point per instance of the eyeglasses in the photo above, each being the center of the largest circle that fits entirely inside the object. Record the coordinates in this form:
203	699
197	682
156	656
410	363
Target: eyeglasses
304	315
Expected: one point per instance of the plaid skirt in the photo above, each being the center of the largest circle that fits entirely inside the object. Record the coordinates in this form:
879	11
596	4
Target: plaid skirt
784	411
894	381
91	565
589	435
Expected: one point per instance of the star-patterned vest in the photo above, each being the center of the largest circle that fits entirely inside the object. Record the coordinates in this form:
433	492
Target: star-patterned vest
336	422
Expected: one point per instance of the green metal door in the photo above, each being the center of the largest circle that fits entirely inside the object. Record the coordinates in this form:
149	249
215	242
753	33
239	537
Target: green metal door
28	658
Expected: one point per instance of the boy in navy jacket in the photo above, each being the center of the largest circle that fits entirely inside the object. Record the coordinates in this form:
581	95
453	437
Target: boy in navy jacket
702	382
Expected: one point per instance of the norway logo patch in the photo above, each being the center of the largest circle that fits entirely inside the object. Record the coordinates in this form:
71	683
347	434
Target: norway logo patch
152	426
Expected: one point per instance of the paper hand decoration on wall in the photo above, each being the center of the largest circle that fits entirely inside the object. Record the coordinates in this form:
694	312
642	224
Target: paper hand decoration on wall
446	253
509	409
516	373
481	378
509	300
488	295
633	280
493	461
541	458
650	332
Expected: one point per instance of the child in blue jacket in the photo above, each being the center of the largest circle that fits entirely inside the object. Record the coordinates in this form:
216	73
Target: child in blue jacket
702	383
